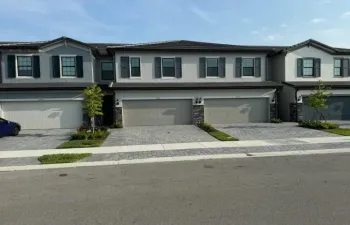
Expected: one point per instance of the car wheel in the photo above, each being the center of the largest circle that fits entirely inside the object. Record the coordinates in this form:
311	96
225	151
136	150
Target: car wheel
15	131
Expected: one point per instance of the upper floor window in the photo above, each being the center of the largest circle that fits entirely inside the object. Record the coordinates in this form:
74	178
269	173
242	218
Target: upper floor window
168	67
337	67
308	67
135	66
248	67
107	71
212	67
68	66
24	66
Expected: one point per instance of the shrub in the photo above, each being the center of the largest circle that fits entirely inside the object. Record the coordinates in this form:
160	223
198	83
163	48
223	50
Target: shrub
206	127
84	127
319	125
86	135
117	125
276	120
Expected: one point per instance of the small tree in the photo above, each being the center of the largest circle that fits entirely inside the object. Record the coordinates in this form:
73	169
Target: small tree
93	103
318	99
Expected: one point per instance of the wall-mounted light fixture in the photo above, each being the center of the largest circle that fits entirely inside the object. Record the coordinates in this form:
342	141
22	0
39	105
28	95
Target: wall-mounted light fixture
117	102
273	100
198	101
300	99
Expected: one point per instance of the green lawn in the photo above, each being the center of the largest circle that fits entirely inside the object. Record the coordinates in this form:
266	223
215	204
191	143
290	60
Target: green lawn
222	136
62	158
340	131
81	144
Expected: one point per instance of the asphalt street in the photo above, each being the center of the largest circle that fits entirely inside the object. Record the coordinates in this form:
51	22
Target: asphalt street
261	191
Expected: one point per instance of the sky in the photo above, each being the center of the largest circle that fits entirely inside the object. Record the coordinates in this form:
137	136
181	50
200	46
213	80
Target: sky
248	22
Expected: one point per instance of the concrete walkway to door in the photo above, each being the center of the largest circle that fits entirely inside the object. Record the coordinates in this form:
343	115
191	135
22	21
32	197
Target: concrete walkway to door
156	135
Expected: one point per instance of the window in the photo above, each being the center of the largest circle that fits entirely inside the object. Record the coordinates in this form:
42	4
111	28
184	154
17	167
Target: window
107	71
68	66
248	67
212	67
168	67
308	67
135	67
24	66
337	67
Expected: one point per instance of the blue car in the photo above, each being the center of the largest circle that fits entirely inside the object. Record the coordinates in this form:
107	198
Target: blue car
9	128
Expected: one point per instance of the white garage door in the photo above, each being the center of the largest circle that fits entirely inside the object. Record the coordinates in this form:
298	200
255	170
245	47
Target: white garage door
226	111
157	112
44	115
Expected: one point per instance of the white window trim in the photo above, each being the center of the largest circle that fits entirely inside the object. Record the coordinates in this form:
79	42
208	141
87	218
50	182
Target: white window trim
206	67
106	61
341	66
253	67
168	57
16	64
60	56
130	76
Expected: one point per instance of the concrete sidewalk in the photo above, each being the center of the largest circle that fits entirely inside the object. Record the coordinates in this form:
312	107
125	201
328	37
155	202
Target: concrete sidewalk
177	146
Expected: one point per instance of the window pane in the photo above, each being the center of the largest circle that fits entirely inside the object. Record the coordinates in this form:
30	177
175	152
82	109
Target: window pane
24	66
107	66
337	72
212	62
168	63
308	63
248	62
68	71
337	63
212	72
135	72
68	61
248	71
307	71
135	62
168	72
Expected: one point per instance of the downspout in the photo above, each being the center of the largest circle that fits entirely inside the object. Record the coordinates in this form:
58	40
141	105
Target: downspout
296	102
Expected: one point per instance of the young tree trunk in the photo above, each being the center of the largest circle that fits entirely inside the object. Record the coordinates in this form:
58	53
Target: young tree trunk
93	124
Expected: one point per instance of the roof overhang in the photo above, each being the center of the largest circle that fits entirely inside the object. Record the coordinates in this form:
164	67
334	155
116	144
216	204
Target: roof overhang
300	85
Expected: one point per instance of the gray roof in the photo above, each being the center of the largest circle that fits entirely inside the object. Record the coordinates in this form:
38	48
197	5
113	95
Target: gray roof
41	86
313	84
213	85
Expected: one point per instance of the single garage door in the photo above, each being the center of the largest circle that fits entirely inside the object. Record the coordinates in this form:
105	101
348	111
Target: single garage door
44	115
338	109
226	111
157	112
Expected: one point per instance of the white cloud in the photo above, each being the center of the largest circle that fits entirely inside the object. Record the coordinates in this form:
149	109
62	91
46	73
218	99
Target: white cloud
283	25
202	14
246	20
273	37
346	15
255	32
318	20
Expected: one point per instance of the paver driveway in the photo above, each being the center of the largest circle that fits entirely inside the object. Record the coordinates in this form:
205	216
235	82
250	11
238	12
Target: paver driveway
265	131
157	135
35	139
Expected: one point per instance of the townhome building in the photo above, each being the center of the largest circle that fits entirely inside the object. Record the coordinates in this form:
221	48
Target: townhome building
166	83
300	67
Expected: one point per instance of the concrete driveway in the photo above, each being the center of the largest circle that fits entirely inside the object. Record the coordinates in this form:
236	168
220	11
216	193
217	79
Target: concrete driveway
35	139
157	135
266	131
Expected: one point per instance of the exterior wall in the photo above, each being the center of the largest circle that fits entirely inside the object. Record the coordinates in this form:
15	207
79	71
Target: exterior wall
41	96
46	65
277	68
190	67
327	65
97	69
338	92
192	94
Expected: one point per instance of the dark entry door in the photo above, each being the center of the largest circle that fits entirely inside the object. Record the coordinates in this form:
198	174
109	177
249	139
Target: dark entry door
108	110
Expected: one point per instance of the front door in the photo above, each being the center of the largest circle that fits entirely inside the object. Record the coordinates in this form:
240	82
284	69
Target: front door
108	110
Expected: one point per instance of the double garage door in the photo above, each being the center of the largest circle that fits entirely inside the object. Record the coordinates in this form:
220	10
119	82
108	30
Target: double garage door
338	109
44	115
179	112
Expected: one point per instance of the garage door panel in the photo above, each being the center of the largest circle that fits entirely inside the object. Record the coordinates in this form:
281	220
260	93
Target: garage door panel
44	115
338	109
225	111
157	112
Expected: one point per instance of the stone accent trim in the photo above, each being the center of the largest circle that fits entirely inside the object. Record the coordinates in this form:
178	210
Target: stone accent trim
197	114
119	115
296	112
273	111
